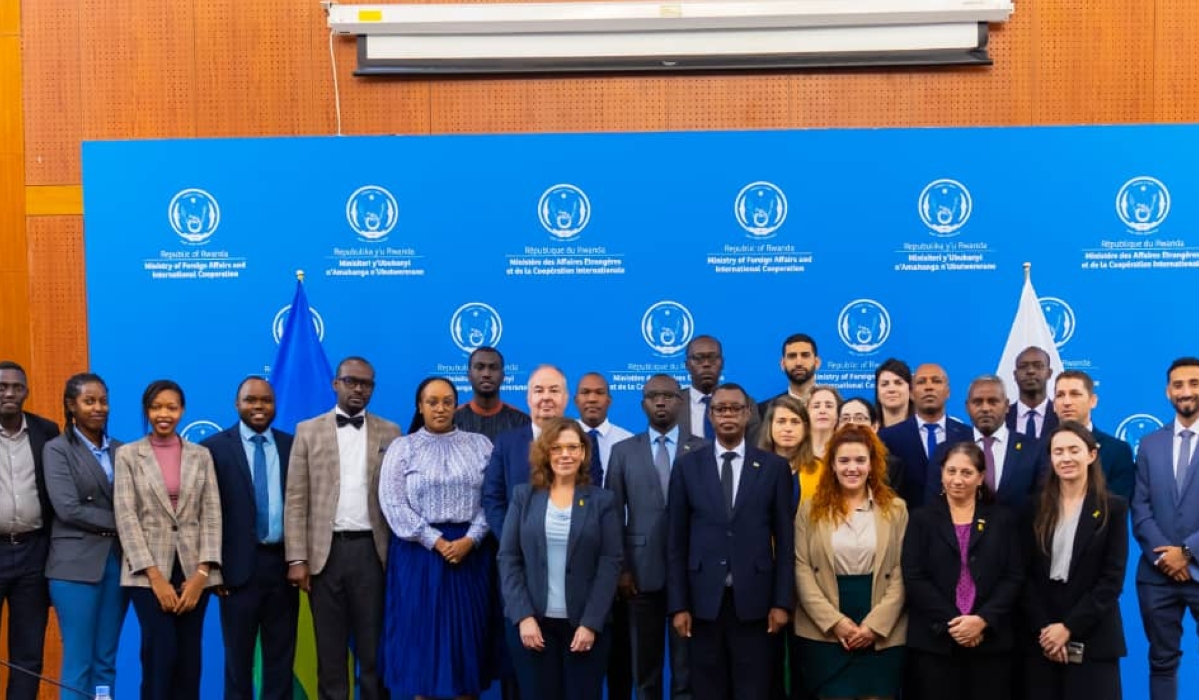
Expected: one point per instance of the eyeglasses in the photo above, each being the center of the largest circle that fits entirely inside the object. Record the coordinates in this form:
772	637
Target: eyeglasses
728	409
356	383
702	357
660	395
572	448
859	418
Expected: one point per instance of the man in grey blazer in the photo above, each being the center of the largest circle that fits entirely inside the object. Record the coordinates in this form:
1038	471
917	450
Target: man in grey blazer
1165	521
334	532
639	475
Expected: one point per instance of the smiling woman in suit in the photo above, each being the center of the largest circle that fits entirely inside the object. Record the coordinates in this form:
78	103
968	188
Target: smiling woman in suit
848	539
963	570
168	514
559	563
84	565
1077	557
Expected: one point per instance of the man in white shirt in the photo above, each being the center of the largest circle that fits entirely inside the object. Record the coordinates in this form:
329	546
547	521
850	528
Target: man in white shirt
705	364
593	399
1032	414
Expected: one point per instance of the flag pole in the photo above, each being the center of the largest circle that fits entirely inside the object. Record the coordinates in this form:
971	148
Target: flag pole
300	274
1027	271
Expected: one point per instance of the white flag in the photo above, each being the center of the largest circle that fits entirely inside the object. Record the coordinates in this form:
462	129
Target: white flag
1028	329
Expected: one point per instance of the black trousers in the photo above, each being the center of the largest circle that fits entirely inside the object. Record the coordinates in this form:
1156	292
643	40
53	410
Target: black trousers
563	674
268	605
962	674
620	661
347	606
171	644
23	588
648	631
730	658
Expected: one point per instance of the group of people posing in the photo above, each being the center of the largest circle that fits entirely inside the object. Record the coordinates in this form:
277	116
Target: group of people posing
807	547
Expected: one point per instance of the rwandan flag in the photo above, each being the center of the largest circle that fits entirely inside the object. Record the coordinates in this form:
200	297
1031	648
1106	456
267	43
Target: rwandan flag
303	383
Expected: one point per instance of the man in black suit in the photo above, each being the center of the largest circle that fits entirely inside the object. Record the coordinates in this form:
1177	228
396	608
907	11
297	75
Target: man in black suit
730	538
639	474
1073	399
1032	415
25	515
916	439
705	364
251	468
799	363
1014	462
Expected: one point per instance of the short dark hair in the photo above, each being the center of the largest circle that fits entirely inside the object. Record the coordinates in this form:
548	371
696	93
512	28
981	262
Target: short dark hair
352	358
71	392
249	379
712	338
732	386
1076	374
484	348
158	386
9	364
1176	364
899	368
800	338
418	421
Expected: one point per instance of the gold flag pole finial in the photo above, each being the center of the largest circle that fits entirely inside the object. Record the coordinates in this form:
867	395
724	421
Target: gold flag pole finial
300	273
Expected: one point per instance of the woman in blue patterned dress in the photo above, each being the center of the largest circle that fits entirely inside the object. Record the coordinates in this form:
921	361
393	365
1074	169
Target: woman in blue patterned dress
438	605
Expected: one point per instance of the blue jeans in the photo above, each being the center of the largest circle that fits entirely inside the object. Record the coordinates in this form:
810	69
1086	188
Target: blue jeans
90	617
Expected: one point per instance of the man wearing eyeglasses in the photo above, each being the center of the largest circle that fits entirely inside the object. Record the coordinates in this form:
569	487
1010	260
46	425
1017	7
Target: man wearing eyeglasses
705	364
1032	415
730	577
335	533
508	468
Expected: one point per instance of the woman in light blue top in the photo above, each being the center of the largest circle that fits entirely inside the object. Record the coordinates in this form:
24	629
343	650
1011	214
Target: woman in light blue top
84	564
430	490
559	562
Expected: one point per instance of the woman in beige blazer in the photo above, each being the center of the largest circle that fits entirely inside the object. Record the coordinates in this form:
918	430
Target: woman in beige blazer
168	516
848	539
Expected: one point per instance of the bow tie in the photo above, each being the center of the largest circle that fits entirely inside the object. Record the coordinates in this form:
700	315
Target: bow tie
356	421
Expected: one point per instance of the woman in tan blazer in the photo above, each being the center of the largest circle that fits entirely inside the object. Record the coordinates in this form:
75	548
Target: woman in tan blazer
168	516
848	540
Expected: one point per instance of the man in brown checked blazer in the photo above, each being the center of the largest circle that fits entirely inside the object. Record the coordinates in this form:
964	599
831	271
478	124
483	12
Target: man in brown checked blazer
334	532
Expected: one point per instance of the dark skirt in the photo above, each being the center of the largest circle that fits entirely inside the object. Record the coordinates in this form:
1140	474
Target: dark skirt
828	671
437	625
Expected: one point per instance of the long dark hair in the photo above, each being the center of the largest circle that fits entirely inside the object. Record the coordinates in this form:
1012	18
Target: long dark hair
418	421
803	452
1051	493
71	392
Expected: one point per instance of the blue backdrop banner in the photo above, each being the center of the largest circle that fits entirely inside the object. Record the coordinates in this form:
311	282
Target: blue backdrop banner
608	252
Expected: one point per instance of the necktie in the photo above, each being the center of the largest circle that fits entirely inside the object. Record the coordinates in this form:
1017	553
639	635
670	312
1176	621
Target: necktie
708	432
1030	425
1184	458
726	479
662	463
597	464
989	460
356	421
931	441
262	502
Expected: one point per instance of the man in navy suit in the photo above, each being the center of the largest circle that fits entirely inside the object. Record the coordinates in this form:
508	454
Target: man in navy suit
1073	399
1165	521
639	476
1032	414
730	577
705	364
250	460
24	529
916	439
507	469
1014	462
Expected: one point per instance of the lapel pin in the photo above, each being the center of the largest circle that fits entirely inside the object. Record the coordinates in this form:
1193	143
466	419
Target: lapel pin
982	524
1019	446
1095	515
580	503
757	466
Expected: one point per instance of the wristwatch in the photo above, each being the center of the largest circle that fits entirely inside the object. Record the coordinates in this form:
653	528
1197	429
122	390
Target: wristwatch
1186	552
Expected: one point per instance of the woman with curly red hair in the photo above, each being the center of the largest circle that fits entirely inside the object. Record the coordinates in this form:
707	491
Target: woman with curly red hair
848	541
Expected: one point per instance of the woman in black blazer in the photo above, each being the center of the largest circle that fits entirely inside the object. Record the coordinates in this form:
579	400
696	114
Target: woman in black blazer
1078	550
559	562
962	567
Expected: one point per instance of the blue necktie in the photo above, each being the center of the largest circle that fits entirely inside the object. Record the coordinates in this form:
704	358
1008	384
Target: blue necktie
597	464
262	501
708	432
1030	426
931	442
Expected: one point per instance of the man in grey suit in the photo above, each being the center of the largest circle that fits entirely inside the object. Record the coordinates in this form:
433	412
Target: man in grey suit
1165	521
705	364
335	533
639	475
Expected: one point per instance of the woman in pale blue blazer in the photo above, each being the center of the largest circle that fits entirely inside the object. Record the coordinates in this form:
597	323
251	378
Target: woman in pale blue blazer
84	564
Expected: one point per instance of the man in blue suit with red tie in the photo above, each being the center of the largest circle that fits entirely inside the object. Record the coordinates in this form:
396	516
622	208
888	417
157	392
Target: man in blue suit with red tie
730	576
1165	521
250	460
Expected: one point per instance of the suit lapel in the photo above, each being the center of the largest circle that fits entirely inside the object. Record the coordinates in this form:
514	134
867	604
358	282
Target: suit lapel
579	511
538	503
882	535
978	529
946	529
709	476
245	472
751	472
1191	466
189	473
1088	520
92	467
152	475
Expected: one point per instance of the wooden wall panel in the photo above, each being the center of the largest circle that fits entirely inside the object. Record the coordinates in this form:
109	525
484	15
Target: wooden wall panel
53	92
57	306
1175	45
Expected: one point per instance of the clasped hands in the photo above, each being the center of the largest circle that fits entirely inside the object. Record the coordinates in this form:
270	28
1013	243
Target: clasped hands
181	602
853	636
1053	641
967	630
455	551
1172	562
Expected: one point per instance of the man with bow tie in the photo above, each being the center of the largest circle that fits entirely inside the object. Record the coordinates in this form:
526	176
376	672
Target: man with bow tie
335	533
